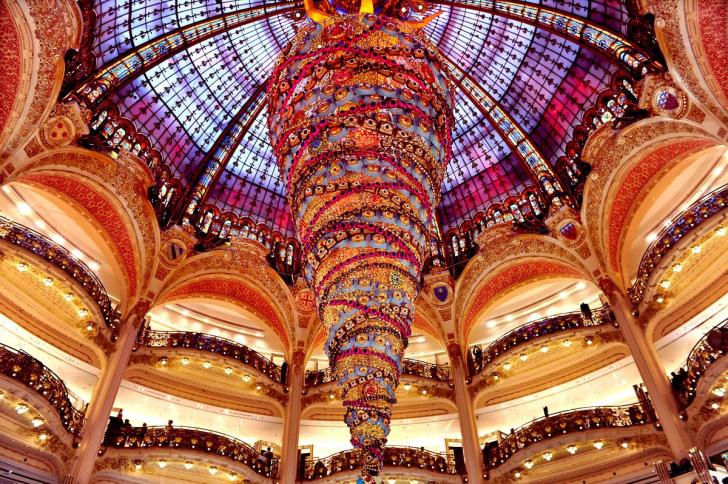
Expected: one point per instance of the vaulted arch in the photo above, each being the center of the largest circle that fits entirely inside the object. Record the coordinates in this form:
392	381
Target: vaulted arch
110	196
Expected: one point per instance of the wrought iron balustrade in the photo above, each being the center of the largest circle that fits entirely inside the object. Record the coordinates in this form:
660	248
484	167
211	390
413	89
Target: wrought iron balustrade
569	421
27	370
685	223
212	344
190	438
43	247
421	369
705	353
394	457
534	329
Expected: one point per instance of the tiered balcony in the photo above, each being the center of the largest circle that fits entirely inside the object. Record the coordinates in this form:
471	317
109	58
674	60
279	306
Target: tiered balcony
30	241
706	212
183	443
706	355
31	373
563	423
439	467
208	343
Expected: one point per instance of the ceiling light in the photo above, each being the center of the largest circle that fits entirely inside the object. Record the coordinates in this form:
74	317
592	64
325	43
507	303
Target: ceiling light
232	476
43	437
507	366
589	340
572	449
581	286
660	299
651	237
424	391
24	209
83	312
163	360
715	405
22	267
407	387
246	378
332	396
21	408
624	444
68	296
496	376
94	266
720	232
510	318
544	349
206	364
490	324
228	371
48	281
677	268
719	392
77	253
90	327
598	444
185	361
566	343
528	464
259	387
695	249
188	465
37	422
517	475
523	357
547	456
212	470
137	465
162	463
391	480
665	284
58	239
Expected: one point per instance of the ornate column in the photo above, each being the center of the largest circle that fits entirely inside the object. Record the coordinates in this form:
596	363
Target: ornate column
102	400
292	422
466	415
651	370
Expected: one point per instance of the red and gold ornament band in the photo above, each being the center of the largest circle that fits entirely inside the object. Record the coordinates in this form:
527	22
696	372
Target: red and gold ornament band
360	117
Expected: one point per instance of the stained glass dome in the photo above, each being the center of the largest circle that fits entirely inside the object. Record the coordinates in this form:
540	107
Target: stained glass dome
189	79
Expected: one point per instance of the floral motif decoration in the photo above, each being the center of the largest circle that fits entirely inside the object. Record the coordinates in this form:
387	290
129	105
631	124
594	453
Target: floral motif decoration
360	120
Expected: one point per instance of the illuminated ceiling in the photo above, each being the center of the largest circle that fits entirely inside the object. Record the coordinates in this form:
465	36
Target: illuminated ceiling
538	70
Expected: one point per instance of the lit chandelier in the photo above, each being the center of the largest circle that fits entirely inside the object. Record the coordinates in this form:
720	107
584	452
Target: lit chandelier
360	118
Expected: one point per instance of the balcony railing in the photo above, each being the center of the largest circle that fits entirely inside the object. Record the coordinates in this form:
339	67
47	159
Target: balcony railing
188	438
682	225
570	421
43	247
421	369
394	457
707	351
32	373
212	344
478	362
